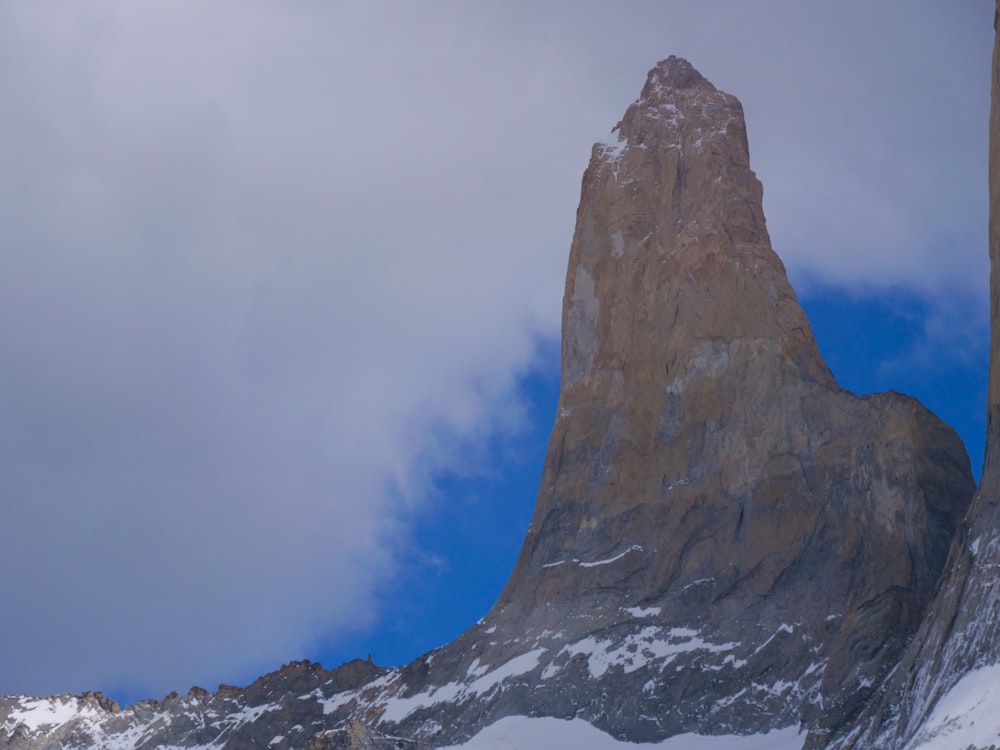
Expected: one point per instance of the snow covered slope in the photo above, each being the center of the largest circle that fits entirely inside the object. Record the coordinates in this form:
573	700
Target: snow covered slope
967	716
522	733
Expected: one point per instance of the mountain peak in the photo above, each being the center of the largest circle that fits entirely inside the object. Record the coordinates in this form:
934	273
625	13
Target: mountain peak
679	108
671	74
676	181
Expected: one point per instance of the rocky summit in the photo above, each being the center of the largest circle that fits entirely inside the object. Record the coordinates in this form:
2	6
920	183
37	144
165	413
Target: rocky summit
725	541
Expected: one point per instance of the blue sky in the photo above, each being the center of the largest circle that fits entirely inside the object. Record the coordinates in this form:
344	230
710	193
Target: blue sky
281	285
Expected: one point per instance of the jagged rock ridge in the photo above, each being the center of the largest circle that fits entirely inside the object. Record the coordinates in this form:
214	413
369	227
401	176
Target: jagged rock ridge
724	540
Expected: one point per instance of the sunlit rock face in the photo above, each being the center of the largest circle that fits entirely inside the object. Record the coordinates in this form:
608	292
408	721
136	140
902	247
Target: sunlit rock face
724	542
946	692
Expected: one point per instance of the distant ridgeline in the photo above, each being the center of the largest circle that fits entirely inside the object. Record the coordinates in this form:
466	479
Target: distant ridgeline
725	542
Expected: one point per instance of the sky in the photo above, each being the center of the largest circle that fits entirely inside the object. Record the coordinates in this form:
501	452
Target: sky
280	289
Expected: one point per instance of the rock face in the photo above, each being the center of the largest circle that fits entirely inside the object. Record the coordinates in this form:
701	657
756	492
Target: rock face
959	643
724	541
711	499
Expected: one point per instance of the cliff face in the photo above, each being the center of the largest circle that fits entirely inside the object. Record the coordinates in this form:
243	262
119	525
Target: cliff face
943	694
724	540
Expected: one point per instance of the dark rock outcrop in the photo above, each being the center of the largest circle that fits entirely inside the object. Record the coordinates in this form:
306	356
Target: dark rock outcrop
724	541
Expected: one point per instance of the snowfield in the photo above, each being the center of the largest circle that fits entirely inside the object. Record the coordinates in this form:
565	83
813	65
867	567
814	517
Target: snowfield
524	733
966	716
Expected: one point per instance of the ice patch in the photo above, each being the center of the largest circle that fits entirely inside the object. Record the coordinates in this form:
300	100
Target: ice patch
686	480
250	714
596	563
636	650
551	670
700	580
476	669
612	147
608	561
813	667
517	666
644	611
781	629
397	709
337	700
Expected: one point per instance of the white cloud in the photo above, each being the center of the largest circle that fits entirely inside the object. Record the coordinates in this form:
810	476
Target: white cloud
263	278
